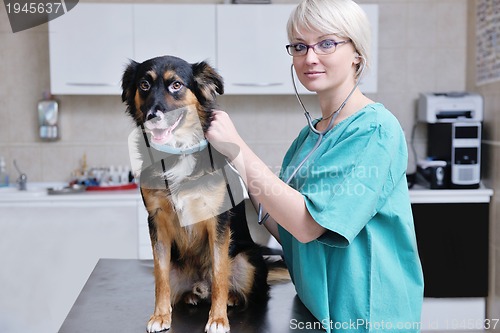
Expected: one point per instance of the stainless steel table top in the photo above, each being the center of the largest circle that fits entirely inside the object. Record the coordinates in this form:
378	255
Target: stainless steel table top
119	297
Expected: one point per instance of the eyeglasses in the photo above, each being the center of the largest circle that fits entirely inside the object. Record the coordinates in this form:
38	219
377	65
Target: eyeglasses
326	46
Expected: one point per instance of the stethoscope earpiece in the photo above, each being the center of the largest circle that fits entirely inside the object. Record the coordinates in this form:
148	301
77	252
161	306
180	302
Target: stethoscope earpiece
335	114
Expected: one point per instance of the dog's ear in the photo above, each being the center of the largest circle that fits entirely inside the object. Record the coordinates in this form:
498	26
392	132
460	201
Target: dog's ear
128	80
207	80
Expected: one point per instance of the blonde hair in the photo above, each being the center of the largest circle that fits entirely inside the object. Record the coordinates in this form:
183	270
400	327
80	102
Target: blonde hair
343	18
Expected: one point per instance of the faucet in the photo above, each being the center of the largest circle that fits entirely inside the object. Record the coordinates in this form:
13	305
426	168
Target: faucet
22	180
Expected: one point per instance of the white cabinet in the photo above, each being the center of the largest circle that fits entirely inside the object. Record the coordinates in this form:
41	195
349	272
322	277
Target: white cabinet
91	44
370	76
89	48
251	54
145	250
48	248
185	31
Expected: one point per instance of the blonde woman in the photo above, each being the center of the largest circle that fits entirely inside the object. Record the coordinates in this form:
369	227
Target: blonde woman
344	220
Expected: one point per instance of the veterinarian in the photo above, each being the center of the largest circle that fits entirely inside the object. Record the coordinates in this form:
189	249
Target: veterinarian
344	220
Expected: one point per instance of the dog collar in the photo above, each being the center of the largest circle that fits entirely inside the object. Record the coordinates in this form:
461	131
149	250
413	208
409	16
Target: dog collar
179	151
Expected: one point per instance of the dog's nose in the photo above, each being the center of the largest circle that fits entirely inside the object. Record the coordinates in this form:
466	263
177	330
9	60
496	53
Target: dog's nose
150	115
155	113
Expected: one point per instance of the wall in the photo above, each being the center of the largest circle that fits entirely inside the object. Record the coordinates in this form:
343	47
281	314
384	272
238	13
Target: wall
491	151
422	48
424	45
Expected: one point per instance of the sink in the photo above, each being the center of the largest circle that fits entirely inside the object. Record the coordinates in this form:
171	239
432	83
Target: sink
32	189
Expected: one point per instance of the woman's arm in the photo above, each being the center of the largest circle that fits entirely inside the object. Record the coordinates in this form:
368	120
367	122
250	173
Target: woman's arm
270	223
284	204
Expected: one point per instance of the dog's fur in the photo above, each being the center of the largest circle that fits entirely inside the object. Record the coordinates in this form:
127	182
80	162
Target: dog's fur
214	259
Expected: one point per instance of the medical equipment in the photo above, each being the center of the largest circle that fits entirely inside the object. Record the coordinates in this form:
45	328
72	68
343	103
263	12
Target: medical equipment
313	129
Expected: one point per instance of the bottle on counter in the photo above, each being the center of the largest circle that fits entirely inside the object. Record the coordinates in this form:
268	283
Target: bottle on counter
4	176
125	175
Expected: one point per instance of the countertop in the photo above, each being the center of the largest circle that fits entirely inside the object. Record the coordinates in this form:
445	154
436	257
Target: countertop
119	297
37	192
420	194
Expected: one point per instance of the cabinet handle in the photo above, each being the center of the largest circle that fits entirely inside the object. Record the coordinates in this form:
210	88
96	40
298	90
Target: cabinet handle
81	84
259	84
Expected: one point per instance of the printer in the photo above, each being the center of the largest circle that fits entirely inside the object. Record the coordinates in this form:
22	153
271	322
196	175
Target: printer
450	107
453	136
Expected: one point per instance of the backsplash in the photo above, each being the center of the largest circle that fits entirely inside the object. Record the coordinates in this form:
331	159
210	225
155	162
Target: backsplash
422	47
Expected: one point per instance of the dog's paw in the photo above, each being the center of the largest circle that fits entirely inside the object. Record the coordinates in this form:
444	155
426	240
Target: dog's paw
159	323
191	299
217	325
201	289
233	299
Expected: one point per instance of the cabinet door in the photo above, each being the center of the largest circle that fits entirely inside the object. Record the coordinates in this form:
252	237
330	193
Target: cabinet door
251	54
48	250
184	31
89	48
453	250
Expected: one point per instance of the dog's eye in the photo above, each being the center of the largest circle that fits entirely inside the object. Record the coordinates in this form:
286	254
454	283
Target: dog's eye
175	86
144	85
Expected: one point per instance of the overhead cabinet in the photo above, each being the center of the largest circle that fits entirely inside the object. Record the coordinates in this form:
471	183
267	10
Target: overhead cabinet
185	31
91	45
251	54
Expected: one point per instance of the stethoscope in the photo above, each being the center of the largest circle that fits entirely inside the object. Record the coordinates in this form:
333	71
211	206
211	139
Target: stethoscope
320	134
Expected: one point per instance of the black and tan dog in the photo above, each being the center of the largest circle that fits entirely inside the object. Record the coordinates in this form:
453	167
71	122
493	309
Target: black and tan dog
201	250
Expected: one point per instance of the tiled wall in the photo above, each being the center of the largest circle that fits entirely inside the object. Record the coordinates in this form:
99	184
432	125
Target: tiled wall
424	45
491	148
422	48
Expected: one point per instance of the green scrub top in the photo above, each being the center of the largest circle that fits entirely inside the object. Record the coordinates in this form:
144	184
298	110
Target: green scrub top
364	273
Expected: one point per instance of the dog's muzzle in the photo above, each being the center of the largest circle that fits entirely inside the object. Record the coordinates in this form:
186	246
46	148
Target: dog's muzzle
162	125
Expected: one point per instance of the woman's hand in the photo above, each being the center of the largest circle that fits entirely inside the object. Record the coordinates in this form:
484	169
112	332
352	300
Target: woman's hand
223	136
287	208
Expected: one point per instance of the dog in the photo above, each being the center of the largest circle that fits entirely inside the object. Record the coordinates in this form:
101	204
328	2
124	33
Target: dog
201	250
